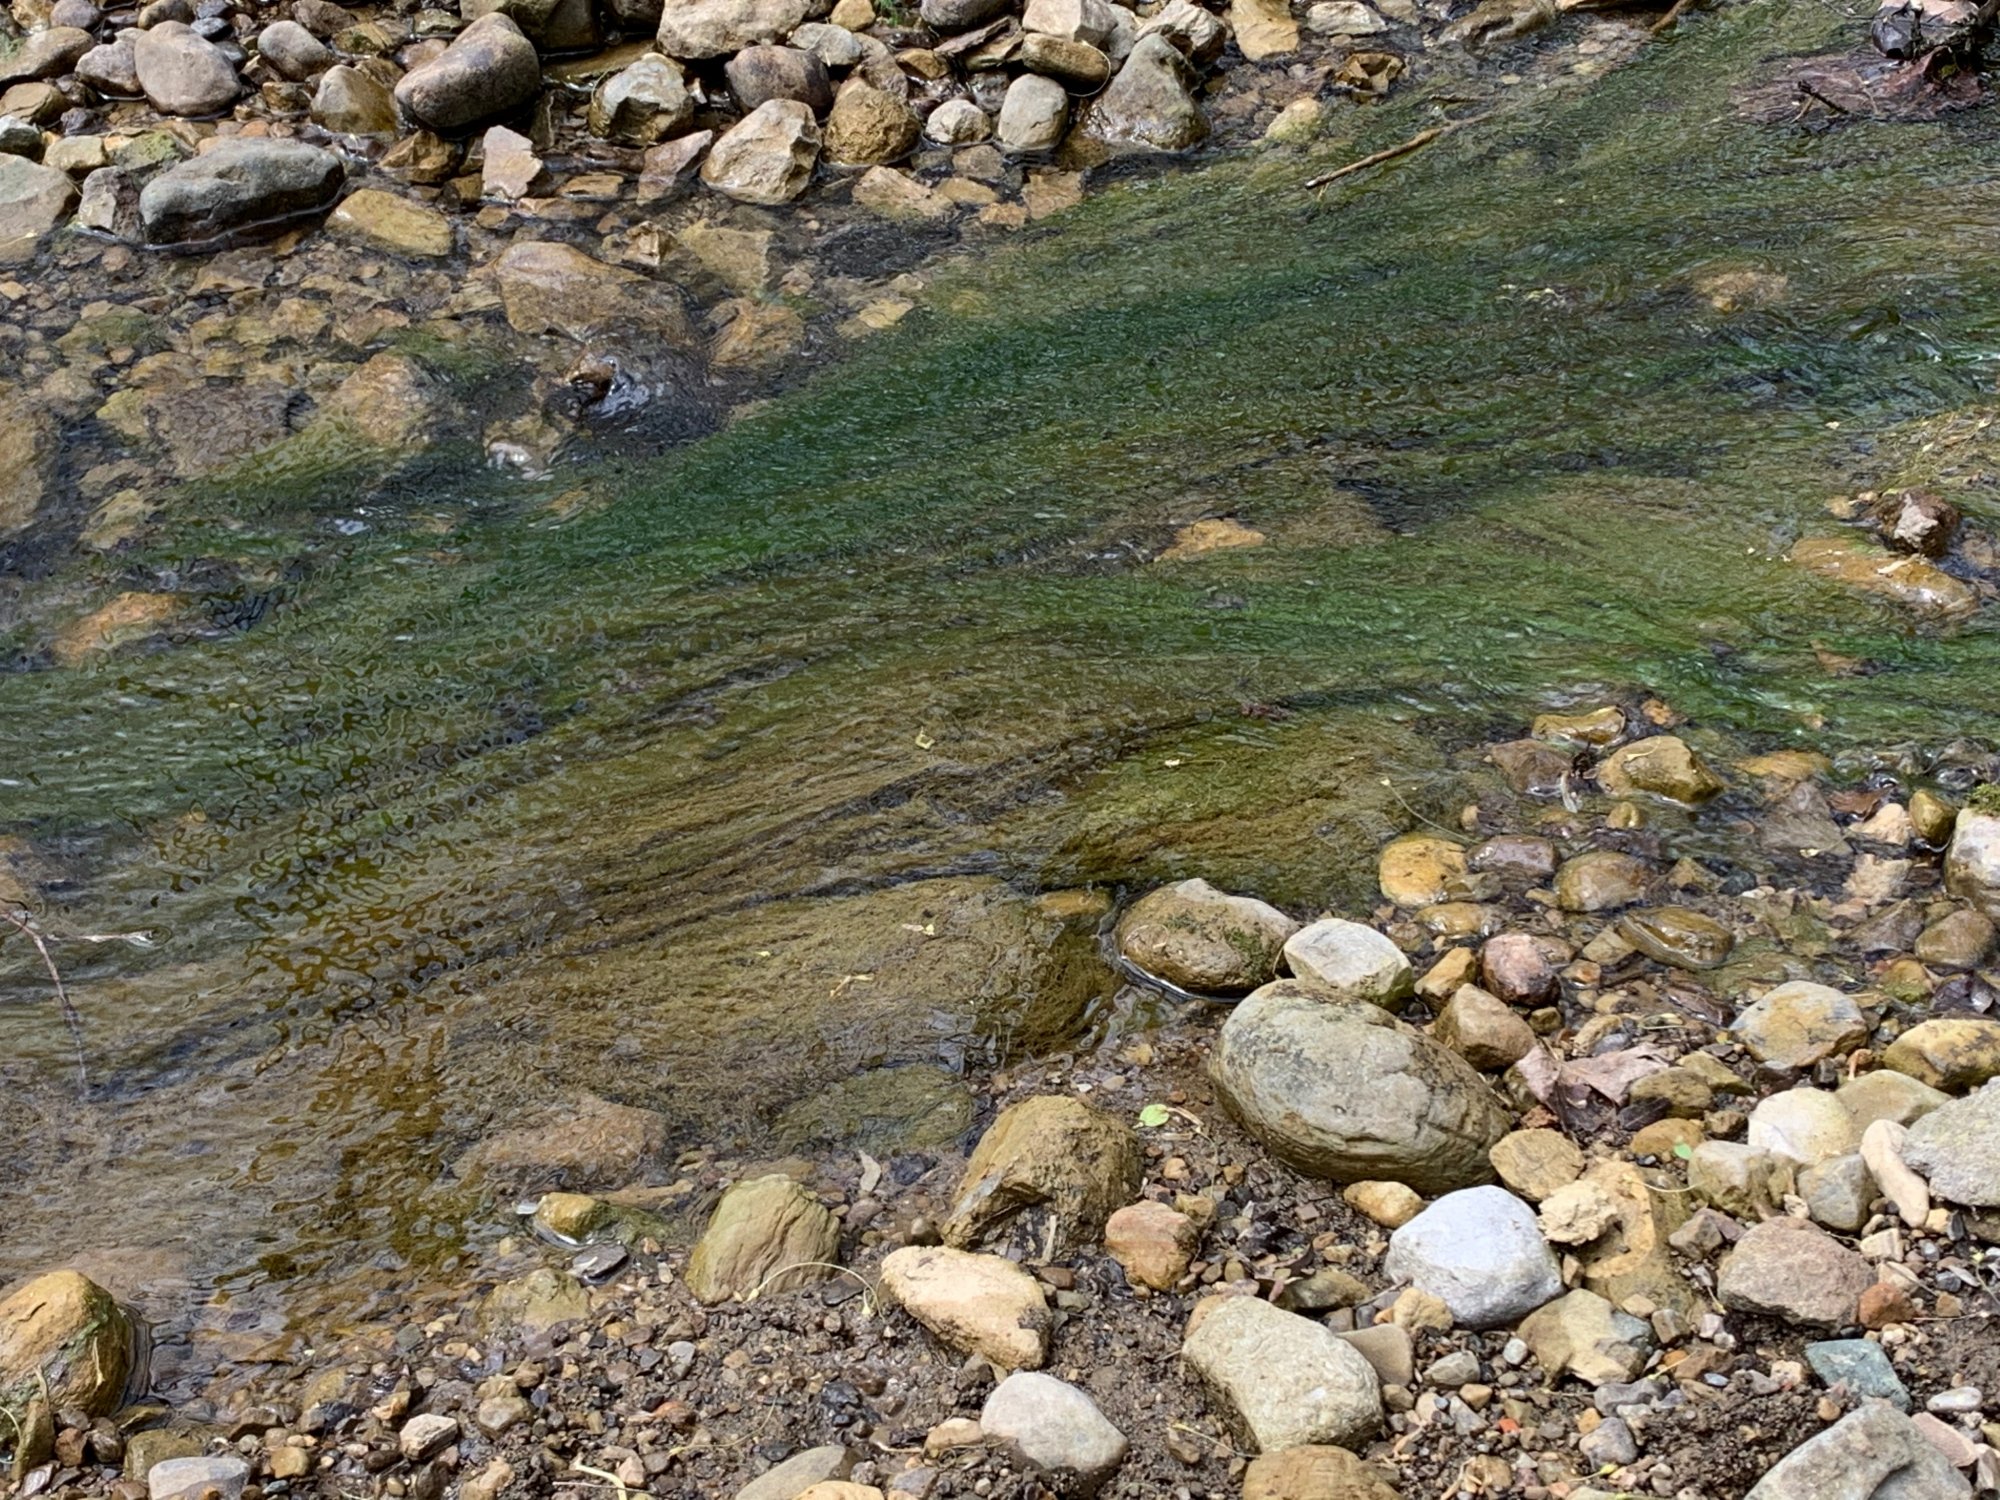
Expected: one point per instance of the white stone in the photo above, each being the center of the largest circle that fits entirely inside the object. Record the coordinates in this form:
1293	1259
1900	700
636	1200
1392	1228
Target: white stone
1351	960
1481	1253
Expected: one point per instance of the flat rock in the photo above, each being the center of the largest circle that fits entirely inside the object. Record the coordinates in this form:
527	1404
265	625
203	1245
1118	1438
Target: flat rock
722	28
1054	1427
585	1145
1282	1380
392	222
1888	1095
1803	1126
1957	1149
212	1476
1314	1471
241	183
1795	1272
1481	1253
1901	579
1344	1091
977	1304
1797	1024
799	1473
1601	880
34	200
1198	938
1582	1334
1534	1163
1861	1366
1875	1453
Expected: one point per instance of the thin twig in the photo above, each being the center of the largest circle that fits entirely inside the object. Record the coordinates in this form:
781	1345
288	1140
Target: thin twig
1666	22
867	1286
70	1018
1415	143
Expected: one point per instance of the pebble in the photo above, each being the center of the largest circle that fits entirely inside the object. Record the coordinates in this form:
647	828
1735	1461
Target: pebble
1053	1425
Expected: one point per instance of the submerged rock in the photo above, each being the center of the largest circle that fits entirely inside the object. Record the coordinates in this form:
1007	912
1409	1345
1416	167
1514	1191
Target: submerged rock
591	1144
1053	1158
1663	766
243	183
1344	1091
547	287
1899	578
1201	939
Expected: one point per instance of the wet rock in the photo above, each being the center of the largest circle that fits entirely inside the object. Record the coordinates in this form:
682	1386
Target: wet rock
759	73
390	403
30	442
721	28
1191	30
1052	1158
1421	870
1678	936
1957	1149
1053	1426
293	51
836	47
589	1145
1516	969
1861	1367
668	168
1582	1334
112	68
1952	1053
1150	104
551	25
34	201
1263	28
1513	857
1534	1163
1917	521
1600	880
767	1235
134	615
1662	766
959	15
393	223
867	126
1875	1453
64	1330
1803	1126
1797	1024
536	1302
1931	817
1201	939
349	101
218	1476
490	69
976	1304
1481	1252
19	138
509	168
1151	1242
244	182
1033	114
1077	65
1483	1031
1280	1379
1314	1471
1972	860
183	74
49	53
1595	727
1344	1091
1905	580
1961	940
1350	962
642	104
1532	768
767	157
547	287
800	1472
1795	1272
958	122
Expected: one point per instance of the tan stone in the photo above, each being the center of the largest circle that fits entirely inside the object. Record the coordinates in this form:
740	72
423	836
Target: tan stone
977	1304
1421	870
1597	726
131	616
1482	1030
1952	1053
1390	1204
393	222
29	440
63	1331
767	1235
1662	766
1051	1158
1579	1334
1314	1472
1534	1163
1153	1243
1216	535
1263	28
1900	578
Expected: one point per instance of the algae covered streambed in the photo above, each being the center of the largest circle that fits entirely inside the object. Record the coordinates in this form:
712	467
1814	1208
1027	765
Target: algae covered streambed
781	762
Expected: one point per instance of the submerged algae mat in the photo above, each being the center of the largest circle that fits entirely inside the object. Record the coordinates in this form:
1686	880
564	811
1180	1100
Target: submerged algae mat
744	780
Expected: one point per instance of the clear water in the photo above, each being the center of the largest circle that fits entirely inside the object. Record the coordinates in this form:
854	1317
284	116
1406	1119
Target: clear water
742	779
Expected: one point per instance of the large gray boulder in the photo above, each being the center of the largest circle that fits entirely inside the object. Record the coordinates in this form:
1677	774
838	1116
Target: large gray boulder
1343	1090
182	74
1481	1253
241	183
491	69
1957	1149
1875	1453
1281	1379
1150	105
643	104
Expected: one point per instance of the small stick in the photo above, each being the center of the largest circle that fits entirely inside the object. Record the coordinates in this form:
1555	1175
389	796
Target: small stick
1415	143
70	1017
1666	22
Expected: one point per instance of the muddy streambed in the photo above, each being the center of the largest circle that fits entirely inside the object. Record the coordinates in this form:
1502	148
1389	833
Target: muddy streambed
777	782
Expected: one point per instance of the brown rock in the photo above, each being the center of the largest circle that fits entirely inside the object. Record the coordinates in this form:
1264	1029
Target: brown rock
1152	1242
1516	969
977	1304
1482	1030
1421	870
554	288
1314	1472
64	1331
1885	1303
1390	1204
1662	766
868	127
131	616
1601	880
1053	1159
589	1145
1201	939
1953	1053
1534	1163
767	1235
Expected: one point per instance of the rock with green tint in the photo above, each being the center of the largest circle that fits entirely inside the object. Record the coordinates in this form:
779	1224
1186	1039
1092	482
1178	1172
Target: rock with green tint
914	1108
65	1331
1198	938
1051	1168
767	1235
1599	726
1663	766
1679	936
1601	880
535	1302
571	1215
1860	1366
145	1451
1958	941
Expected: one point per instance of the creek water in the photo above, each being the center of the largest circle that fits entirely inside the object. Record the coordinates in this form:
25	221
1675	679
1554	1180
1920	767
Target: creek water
750	770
